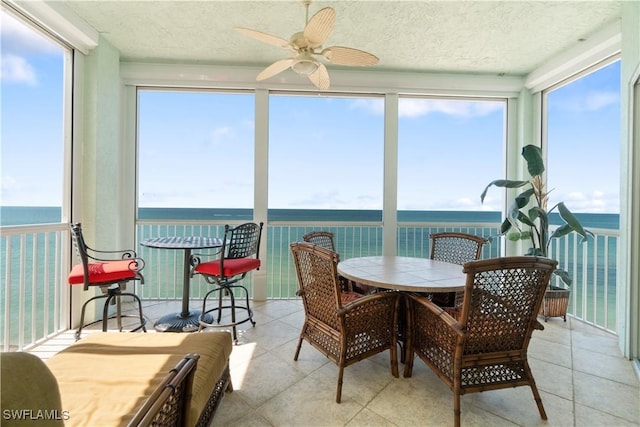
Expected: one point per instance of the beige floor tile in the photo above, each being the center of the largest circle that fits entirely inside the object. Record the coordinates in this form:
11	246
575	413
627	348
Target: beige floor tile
615	368
309	359
589	417
553	379
271	389
310	402
271	335
595	341
362	381
368	418
607	396
550	351
263	378
517	406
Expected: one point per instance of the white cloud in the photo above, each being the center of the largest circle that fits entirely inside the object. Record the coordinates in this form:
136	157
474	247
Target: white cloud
18	37
221	134
596	100
596	201
16	69
421	107
374	106
414	107
589	101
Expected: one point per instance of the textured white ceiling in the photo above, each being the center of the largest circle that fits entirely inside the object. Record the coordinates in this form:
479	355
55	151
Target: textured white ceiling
510	37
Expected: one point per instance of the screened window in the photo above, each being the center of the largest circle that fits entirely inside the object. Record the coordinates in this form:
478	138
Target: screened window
583	141
326	153
196	151
33	122
583	171
448	151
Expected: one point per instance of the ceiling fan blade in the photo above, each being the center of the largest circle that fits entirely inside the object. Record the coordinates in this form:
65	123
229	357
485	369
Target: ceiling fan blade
275	68
348	56
320	77
264	37
320	26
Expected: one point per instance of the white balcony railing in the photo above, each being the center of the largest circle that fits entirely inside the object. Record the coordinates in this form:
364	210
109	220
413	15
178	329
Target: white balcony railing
34	296
35	260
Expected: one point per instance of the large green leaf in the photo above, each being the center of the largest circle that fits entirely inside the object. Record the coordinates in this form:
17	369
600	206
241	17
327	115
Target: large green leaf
563	230
523	198
564	276
525	219
533	156
572	221
505	183
505	226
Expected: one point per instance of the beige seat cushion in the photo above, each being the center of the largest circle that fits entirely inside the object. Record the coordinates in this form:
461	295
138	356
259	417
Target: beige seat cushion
105	377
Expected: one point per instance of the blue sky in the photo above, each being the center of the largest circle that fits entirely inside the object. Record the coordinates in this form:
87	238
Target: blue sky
325	152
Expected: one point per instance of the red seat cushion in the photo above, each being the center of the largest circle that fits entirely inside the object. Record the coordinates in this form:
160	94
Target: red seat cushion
103	272
347	297
232	267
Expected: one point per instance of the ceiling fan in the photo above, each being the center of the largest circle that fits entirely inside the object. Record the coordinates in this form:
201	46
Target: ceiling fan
307	47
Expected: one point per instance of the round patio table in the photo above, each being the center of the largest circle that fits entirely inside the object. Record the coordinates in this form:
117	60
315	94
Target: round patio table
406	274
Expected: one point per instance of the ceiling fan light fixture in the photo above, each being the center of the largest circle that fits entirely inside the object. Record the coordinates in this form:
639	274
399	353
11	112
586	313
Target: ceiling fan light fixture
305	66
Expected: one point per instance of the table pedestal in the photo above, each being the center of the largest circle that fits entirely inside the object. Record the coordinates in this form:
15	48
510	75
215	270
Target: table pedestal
179	322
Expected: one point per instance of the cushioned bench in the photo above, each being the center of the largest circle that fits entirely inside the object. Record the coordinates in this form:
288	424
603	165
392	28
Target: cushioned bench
105	378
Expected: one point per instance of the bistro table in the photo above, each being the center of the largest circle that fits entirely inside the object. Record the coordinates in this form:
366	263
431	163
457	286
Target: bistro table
185	320
404	273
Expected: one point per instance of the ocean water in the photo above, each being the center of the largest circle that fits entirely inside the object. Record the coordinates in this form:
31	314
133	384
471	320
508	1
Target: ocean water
594	265
18	215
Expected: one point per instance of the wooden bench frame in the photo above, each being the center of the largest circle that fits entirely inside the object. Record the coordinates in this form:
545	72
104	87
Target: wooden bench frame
167	404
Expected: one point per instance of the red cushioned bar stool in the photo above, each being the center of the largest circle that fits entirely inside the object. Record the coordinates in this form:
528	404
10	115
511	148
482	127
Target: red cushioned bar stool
110	275
238	256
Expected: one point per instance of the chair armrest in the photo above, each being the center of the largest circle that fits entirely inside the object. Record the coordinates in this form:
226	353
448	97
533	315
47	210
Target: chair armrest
360	304
169	401
101	255
435	314
196	258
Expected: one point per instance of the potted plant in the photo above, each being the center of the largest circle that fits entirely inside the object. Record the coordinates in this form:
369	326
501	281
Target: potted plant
528	219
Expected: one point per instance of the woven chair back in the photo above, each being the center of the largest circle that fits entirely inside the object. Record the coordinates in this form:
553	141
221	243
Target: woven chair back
242	241
321	238
501	302
456	248
316	268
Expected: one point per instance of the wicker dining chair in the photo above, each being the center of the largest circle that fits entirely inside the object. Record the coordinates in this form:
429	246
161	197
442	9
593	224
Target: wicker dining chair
321	238
110	271
486	349
456	248
344	333
326	240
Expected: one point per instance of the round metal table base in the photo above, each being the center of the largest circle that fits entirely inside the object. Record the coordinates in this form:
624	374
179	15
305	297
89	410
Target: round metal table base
177	322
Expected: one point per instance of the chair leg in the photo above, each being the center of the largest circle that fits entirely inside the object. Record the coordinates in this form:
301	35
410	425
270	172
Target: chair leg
233	314
142	320
339	390
79	331
105	311
249	311
220	305
393	356
119	312
534	390
456	408
295	357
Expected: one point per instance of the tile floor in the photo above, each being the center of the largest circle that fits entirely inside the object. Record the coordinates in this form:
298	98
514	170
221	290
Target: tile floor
581	376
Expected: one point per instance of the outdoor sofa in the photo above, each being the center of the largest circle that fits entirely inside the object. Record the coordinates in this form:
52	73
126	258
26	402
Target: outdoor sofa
116	379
